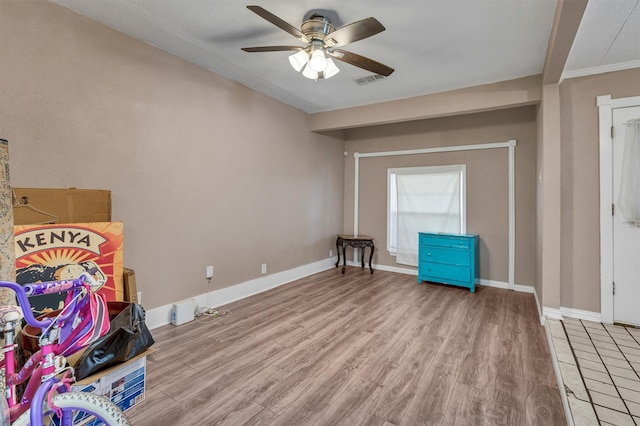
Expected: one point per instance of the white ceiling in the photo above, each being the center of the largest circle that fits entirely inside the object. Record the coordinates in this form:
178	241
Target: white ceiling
434	45
608	38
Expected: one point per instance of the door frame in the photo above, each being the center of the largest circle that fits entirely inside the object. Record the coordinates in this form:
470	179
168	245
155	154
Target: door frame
606	105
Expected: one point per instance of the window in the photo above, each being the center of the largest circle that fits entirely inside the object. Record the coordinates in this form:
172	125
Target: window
423	199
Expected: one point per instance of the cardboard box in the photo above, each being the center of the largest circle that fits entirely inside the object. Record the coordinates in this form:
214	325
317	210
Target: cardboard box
129	283
44	205
123	384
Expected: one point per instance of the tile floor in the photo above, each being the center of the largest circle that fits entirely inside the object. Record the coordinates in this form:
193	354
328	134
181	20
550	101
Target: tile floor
600	367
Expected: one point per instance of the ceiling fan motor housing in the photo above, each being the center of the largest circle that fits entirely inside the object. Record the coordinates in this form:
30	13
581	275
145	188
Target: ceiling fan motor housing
316	27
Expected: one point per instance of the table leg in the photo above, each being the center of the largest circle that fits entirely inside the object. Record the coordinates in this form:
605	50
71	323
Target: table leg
370	257
363	249
344	257
338	251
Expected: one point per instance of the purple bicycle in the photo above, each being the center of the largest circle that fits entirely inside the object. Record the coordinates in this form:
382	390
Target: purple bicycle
47	399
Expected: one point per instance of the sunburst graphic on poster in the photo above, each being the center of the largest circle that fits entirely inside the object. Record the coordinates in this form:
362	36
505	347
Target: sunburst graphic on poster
64	251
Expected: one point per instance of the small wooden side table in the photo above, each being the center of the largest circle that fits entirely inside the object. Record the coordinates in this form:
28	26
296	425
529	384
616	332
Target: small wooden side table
355	241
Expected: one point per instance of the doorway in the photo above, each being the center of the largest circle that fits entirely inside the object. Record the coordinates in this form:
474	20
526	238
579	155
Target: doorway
619	241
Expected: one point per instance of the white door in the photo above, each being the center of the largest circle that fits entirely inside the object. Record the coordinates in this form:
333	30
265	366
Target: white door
626	238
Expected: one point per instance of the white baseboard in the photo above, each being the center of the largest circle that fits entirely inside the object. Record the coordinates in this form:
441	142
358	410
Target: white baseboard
396	269
538	307
580	314
493	283
524	288
559	314
505	285
552	313
157	317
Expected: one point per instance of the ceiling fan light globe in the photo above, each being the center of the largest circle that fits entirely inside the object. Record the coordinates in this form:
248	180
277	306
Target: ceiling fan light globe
318	62
309	73
331	69
299	60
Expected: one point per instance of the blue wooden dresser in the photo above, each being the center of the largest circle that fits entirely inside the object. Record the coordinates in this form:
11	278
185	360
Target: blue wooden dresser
448	259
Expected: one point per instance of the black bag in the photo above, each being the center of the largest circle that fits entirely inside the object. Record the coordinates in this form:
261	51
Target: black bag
128	337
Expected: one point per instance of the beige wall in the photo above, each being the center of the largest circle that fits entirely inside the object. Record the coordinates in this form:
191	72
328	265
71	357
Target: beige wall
202	170
487	181
205	171
551	196
580	270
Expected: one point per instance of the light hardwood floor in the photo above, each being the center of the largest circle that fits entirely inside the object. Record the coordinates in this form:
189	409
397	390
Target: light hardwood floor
357	349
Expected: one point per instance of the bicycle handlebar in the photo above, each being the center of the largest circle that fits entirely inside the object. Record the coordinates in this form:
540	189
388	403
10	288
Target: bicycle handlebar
47	287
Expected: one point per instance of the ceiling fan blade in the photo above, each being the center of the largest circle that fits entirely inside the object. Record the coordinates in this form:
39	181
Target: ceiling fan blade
279	23
353	32
362	62
271	48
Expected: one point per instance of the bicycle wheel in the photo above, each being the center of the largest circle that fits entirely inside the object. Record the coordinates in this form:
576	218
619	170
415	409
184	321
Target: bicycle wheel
80	405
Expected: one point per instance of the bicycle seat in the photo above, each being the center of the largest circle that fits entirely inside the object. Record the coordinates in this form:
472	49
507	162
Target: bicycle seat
9	313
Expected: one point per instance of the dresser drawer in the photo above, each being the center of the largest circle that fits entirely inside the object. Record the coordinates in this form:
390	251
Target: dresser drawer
442	255
445	241
445	273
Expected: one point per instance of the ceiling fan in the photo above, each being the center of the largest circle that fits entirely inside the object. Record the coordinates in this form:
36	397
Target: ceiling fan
322	42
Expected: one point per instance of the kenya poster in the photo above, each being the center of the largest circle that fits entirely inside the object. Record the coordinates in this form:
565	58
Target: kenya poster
63	251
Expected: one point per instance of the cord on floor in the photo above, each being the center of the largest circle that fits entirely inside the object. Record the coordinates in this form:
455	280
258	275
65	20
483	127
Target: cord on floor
210	312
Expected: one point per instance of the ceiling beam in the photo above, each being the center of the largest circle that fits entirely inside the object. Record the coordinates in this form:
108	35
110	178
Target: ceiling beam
566	22
487	97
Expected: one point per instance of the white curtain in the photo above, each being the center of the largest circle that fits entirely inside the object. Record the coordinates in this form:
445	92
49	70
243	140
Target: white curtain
629	196
426	203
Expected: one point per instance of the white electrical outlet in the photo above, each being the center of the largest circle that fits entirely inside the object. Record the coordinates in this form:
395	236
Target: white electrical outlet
264	268
330	253
209	271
